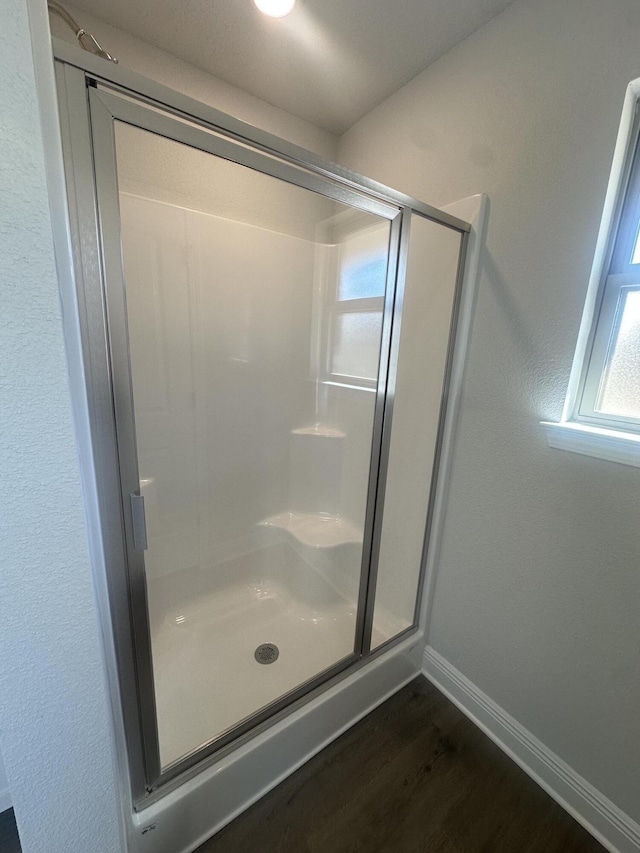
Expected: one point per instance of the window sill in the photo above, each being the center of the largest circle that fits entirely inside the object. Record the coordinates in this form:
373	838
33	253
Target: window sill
606	444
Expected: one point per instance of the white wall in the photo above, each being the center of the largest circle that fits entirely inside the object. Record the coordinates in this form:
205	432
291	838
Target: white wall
537	595
55	728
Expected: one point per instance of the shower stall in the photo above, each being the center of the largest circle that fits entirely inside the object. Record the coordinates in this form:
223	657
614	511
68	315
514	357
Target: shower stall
267	338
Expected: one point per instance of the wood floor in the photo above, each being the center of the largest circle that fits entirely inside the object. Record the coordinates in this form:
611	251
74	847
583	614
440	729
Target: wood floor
413	776
9	842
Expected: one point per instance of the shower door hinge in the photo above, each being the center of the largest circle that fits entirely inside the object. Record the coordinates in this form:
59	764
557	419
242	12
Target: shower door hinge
139	523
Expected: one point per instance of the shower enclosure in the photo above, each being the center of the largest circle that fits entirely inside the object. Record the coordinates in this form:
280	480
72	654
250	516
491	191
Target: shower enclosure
266	344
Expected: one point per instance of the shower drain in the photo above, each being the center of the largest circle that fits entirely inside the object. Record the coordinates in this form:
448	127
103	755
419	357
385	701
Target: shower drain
267	653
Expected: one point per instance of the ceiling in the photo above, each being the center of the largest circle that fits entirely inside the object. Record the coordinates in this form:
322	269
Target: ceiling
329	61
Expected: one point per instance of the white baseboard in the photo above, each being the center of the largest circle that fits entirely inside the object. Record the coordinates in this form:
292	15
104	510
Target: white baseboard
602	818
5	799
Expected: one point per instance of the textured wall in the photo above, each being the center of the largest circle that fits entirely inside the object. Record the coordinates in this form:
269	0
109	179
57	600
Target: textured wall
538	592
55	731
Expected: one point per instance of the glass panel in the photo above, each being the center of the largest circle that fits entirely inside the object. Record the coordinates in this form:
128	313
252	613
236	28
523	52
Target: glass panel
363	264
355	344
432	269
620	391
254	477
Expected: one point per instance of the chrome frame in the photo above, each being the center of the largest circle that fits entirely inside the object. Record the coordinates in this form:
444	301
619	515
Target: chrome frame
88	271
444	405
155	94
381	441
386	439
90	101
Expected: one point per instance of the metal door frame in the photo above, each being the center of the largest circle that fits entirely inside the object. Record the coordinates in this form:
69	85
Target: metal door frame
90	101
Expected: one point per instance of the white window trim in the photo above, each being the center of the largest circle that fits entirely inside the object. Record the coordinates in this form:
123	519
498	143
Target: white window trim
601	442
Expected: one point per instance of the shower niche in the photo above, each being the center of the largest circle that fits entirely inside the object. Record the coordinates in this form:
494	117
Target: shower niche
267	338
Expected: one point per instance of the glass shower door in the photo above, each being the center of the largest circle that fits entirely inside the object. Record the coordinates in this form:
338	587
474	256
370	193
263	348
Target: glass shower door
244	452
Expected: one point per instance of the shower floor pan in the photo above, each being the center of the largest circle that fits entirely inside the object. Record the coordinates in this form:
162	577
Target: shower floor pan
207	625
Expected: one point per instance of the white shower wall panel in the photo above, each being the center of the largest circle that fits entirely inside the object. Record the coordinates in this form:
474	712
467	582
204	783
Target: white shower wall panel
153	167
351	409
214	304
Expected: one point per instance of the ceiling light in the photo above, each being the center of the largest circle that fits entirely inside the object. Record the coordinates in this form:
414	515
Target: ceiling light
275	8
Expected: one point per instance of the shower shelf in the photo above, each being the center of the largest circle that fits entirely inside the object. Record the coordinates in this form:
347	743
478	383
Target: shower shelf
316	531
322	431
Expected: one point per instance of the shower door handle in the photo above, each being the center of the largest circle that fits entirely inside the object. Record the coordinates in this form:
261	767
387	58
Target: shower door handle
139	523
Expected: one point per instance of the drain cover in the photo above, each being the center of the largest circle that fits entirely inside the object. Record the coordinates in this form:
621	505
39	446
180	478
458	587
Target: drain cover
267	653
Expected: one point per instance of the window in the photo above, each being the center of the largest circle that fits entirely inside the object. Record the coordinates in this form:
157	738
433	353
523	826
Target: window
354	303
602	411
610	393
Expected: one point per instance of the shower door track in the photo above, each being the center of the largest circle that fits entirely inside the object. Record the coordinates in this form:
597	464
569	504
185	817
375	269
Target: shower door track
91	95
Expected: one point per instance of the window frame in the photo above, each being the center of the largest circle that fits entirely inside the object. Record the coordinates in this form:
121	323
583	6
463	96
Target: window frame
613	275
606	329
620	276
580	429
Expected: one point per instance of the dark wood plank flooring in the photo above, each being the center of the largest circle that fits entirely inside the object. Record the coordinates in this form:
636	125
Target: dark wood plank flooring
415	775
9	842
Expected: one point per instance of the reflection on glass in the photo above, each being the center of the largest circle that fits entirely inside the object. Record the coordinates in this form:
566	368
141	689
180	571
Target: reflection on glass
255	483
620	391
